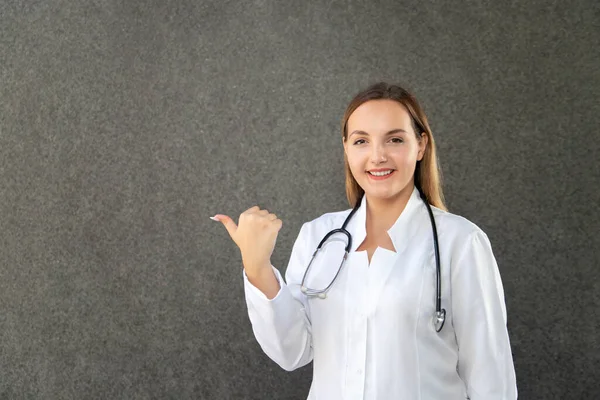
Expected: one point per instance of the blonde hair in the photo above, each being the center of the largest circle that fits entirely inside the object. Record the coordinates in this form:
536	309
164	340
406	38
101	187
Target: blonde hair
427	172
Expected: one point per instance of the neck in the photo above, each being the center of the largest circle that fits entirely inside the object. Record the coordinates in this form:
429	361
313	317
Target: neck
383	213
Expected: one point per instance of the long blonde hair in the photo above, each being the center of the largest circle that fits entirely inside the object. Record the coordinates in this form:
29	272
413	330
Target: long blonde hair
427	172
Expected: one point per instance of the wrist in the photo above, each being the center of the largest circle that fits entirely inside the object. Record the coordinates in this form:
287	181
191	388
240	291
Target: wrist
257	271
265	280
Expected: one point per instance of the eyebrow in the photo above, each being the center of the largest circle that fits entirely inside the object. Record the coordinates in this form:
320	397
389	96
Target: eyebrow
387	134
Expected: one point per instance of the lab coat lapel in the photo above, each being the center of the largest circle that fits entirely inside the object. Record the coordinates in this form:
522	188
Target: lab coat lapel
386	261
403	229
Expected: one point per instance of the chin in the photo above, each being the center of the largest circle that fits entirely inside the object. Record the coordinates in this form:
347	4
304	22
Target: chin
389	194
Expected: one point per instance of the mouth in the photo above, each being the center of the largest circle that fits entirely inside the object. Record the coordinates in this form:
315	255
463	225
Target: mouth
381	174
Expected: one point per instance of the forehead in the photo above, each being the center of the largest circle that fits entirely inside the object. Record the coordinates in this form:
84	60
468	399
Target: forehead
379	115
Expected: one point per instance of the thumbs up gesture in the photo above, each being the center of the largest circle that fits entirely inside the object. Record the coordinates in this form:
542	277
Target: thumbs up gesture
255	236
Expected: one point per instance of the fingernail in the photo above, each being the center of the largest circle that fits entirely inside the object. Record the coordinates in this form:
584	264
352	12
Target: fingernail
215	219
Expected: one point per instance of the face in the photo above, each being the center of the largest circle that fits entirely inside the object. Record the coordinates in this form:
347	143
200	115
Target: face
381	139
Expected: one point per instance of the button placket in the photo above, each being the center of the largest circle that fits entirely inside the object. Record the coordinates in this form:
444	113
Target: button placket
357	343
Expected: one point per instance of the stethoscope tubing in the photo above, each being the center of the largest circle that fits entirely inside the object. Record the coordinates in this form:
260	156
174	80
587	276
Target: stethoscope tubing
440	314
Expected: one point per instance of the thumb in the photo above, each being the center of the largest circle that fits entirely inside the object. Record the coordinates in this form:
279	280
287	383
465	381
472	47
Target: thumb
229	224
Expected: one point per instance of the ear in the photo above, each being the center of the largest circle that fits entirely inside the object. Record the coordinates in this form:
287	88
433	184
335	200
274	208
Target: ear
422	146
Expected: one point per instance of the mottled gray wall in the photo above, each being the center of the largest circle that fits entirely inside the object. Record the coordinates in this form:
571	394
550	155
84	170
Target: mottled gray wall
124	125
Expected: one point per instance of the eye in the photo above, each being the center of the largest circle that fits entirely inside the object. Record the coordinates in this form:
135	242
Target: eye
358	141
397	140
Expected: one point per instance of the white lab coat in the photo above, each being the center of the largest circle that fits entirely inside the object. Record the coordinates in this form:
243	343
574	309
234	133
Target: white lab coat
373	336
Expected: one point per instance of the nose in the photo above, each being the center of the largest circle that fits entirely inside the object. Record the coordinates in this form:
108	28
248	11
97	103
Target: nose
378	155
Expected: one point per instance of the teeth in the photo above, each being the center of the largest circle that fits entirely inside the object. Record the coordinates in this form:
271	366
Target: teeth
381	173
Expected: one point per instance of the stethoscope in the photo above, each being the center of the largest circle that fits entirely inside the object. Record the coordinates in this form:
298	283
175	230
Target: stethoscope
439	316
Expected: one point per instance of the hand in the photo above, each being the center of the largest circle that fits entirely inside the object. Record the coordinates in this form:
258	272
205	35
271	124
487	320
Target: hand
255	236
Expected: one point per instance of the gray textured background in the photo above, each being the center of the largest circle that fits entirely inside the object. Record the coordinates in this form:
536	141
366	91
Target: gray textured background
124	125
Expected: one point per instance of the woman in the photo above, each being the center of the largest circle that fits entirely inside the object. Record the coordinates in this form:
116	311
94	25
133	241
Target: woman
373	327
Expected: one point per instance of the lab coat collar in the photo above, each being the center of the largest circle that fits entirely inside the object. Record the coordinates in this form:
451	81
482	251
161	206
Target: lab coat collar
401	230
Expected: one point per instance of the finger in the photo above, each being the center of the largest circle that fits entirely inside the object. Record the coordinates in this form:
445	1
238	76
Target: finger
251	210
271	217
279	224
229	224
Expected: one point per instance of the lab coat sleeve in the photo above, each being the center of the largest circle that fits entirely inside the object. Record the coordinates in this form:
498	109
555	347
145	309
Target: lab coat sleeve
281	325
479	318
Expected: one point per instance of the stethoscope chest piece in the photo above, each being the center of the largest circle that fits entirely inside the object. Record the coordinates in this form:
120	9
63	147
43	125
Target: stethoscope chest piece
438	319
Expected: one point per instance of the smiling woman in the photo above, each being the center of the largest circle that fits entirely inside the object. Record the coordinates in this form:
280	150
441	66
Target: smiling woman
383	155
360	307
376	109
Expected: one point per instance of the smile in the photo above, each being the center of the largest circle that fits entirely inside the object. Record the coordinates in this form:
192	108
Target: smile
380	175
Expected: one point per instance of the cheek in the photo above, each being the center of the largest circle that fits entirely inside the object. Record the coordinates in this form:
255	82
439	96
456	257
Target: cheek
405	156
410	158
356	168
356	160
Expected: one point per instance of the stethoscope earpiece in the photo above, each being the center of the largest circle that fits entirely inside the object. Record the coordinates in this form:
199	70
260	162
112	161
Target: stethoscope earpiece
321	295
